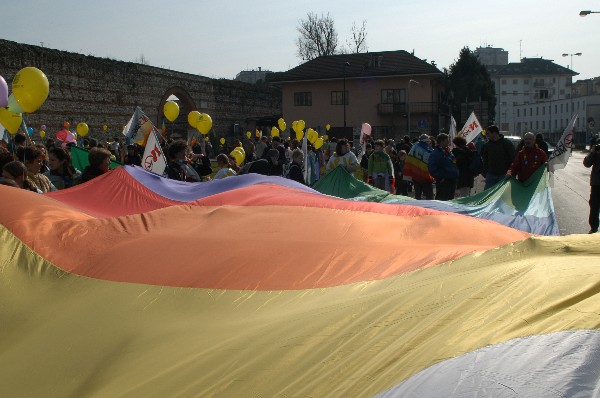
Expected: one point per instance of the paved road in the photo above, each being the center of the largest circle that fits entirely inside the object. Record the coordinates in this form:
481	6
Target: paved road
570	195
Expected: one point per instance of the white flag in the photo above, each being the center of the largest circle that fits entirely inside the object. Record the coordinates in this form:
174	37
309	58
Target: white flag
139	127
305	151
472	128
452	132
154	159
562	152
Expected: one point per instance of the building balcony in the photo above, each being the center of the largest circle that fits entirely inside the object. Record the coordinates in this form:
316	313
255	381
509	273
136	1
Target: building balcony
388	109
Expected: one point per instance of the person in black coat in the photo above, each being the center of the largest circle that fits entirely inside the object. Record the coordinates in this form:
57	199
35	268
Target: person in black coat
295	172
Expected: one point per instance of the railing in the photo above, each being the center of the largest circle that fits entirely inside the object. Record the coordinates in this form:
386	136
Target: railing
388	109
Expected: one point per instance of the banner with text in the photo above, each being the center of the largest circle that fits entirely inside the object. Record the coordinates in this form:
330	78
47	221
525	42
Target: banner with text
472	128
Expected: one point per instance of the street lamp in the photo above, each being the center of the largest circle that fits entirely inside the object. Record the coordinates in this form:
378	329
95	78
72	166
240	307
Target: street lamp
346	64
587	12
566	55
408	100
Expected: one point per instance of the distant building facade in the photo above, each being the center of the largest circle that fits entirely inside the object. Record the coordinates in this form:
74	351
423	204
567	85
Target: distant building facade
253	76
491	55
394	91
538	95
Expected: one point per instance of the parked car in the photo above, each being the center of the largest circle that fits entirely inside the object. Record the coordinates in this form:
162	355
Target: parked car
515	139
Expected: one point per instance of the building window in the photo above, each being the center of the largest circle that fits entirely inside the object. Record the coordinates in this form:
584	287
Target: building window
543	125
562	91
530	111
537	111
503	82
561	108
526	81
543	94
555	124
530	125
527	93
537	125
503	93
515	81
555	108
303	99
393	96
515	103
518	112
543	110
515	92
337	97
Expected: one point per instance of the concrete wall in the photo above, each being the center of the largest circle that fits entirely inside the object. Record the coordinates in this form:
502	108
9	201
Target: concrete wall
102	91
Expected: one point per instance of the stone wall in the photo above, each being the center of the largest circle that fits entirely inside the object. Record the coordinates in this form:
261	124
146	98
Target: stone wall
102	91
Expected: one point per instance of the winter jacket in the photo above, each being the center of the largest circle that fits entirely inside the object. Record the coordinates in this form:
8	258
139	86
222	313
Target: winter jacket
497	156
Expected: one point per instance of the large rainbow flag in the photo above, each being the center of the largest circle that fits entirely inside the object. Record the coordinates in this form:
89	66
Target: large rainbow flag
526	206
135	286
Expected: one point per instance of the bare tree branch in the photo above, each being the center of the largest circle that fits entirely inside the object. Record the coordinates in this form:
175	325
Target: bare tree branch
317	36
357	43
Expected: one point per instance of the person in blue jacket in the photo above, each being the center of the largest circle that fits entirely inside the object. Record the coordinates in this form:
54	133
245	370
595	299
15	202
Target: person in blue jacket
442	168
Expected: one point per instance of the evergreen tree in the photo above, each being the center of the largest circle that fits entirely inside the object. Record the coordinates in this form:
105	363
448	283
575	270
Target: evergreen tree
470	81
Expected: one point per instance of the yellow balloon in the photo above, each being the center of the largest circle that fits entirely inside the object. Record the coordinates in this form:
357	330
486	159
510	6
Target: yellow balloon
42	133
238	156
239	148
327	126
281	123
10	120
300	125
274	132
204	123
257	133
299	135
312	136
171	110
325	137
318	143
104	127
248	134
193	118
82	129
31	88
222	141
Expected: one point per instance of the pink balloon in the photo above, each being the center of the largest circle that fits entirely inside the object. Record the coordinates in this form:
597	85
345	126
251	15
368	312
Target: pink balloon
3	93
366	128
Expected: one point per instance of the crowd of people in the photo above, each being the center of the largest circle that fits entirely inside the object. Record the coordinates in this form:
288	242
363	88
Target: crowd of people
431	167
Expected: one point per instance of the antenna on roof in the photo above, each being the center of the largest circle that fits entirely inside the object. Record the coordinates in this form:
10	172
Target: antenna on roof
520	52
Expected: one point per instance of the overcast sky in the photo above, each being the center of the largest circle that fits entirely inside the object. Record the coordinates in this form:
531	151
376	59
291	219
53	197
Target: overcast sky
219	39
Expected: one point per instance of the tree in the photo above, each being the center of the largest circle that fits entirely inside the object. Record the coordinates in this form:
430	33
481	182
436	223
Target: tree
470	82
357	43
317	37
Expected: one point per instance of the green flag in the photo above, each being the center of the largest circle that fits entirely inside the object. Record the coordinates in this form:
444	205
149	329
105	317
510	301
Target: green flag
79	159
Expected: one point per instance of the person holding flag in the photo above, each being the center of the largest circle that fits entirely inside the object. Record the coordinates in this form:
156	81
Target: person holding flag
528	160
